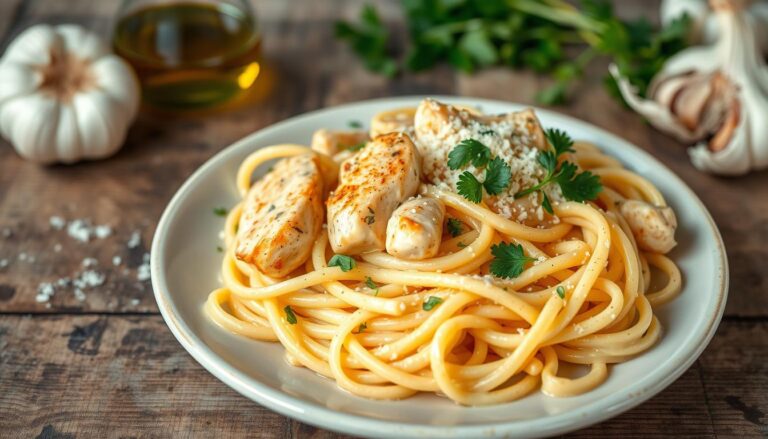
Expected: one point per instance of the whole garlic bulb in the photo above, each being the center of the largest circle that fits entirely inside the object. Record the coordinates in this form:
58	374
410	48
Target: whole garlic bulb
714	96
63	96
705	27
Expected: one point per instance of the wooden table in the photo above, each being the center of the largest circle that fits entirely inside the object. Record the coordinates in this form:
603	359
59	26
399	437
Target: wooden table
107	366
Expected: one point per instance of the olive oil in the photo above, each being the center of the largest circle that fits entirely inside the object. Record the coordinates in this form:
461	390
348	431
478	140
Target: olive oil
190	55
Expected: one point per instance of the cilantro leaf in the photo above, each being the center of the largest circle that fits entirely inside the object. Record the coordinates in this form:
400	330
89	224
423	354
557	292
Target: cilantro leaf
469	150
579	187
560	141
546	204
497	176
344	262
431	302
548	161
454	227
289	315
509	260
469	188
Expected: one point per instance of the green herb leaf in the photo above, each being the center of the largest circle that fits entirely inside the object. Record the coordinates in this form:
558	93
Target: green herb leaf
363	326
370	219
546	204
344	262
509	260
220	211
548	161
454	227
561	292
219	249
372	285
579	187
431	302
369	41
469	188
460	245
469	150
497	176
356	124
357	147
290	316
560	141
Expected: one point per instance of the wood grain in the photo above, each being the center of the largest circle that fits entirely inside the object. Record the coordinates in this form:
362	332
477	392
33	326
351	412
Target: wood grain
108	366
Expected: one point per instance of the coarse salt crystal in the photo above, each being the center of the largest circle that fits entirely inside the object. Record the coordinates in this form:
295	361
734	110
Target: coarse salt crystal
116	260
89	262
102	232
4	263
44	292
57	247
134	240
79	230
57	222
135	302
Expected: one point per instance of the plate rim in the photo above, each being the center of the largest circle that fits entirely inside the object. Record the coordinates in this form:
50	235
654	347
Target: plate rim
320	416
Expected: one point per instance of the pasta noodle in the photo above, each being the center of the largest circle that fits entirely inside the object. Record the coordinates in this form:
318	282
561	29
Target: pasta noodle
489	340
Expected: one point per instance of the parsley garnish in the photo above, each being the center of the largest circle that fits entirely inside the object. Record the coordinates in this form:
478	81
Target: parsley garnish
509	260
219	249
454	227
497	171
497	176
575	186
561	292
362	327
342	261
289	315
355	124
488	132
431	302
469	150
372	285
220	211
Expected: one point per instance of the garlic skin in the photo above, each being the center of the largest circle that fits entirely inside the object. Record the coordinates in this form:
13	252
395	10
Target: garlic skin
63	96
705	26
713	96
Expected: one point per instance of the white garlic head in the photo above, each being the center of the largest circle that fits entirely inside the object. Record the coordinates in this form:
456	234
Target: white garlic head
63	96
715	97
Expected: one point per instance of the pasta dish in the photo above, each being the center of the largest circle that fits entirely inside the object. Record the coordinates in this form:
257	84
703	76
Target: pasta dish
479	257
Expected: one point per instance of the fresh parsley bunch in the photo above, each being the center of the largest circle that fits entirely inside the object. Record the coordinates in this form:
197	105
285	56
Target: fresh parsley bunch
547	36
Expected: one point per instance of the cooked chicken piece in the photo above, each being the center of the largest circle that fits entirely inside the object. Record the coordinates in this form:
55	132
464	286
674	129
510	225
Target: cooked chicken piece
515	137
653	226
371	185
399	120
333	142
415	229
282	216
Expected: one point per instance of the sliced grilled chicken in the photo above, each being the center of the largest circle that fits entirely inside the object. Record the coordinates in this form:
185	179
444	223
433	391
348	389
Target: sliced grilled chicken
653	226
515	137
333	142
371	185
282	216
399	120
415	229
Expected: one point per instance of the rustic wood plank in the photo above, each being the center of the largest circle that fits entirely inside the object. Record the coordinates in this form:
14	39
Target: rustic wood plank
95	376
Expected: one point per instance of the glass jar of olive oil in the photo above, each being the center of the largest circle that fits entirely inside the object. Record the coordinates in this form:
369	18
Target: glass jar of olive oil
190	55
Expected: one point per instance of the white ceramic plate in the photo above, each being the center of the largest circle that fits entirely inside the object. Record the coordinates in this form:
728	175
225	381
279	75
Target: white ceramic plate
185	266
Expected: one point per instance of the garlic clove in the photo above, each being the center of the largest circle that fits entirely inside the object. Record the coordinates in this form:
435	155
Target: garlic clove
691	100
115	77
734	159
33	47
92	120
16	81
667	89
31	119
723	136
69	145
81	43
660	116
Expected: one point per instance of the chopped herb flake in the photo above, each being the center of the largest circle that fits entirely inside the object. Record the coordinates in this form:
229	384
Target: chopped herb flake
454	227
431	302
219	211
290	316
344	262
